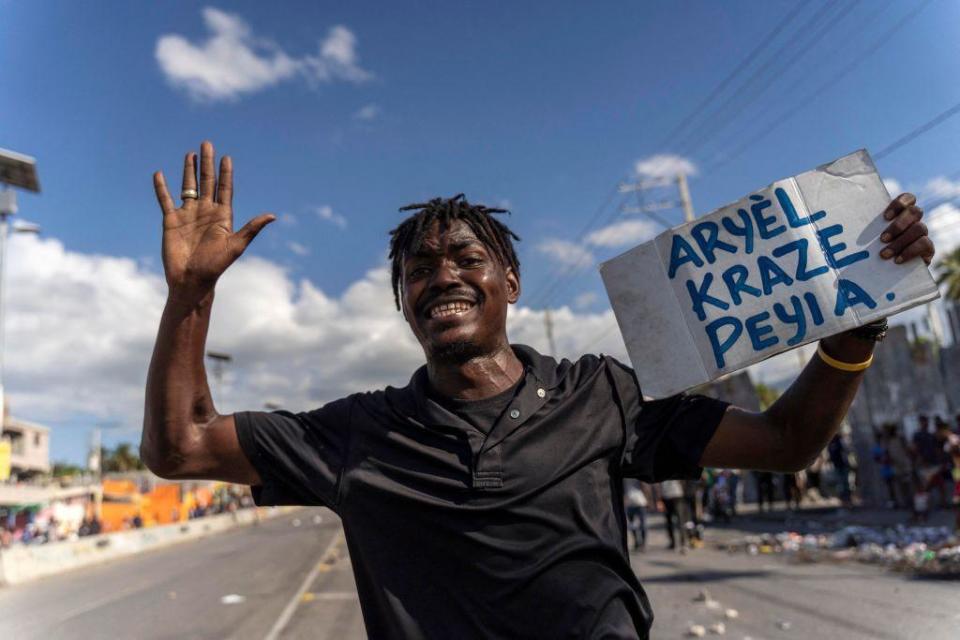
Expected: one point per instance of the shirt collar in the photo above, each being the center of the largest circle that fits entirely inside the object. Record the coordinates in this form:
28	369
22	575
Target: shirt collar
542	368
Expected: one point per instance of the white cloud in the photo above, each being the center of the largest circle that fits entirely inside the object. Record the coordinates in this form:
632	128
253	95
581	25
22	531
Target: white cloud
566	253
81	328
338	58
944	228
298	248
894	188
664	165
623	233
367	113
233	61
326	212
585	299
941	188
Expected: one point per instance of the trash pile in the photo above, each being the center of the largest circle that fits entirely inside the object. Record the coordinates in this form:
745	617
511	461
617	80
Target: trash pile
933	551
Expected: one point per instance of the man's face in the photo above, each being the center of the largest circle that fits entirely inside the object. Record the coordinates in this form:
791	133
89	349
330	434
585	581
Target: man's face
455	294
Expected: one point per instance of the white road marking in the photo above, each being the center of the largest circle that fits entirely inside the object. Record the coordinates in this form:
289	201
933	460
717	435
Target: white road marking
291	607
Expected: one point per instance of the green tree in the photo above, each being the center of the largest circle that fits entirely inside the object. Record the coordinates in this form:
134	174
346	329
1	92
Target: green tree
949	274
120	459
63	469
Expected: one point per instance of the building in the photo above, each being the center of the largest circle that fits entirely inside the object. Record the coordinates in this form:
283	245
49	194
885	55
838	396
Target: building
29	447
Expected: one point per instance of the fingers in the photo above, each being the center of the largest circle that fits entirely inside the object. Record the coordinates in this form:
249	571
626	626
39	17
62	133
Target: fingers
163	196
898	204
207	175
922	247
189	174
905	219
904	240
225	183
245	236
906	235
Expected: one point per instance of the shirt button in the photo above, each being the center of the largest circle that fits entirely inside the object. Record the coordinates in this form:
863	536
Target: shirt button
541	393
515	413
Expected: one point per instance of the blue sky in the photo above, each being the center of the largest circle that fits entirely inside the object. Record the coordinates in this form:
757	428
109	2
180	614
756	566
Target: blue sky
346	111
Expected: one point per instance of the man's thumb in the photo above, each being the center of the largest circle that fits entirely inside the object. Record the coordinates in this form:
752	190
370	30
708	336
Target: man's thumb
250	230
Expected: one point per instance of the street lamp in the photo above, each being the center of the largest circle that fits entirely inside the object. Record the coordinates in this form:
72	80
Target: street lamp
16	170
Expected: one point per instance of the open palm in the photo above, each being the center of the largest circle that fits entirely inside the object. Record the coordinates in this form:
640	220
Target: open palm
198	238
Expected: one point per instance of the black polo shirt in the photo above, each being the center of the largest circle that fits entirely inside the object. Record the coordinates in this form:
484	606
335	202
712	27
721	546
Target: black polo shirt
517	532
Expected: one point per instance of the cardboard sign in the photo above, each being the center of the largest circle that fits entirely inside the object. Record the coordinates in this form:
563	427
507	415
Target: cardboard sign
784	266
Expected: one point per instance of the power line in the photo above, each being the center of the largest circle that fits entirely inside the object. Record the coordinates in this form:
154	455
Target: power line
890	148
826	61
807	100
750	57
563	271
716	122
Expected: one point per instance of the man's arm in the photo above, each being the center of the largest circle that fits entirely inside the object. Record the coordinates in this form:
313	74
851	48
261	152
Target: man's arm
791	432
183	435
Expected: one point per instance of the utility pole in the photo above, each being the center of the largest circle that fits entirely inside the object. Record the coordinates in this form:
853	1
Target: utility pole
16	170
685	200
548	321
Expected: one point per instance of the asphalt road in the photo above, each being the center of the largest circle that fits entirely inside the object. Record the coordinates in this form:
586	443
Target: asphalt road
290	577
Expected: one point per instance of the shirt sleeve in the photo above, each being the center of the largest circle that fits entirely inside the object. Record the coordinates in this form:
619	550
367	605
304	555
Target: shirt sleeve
299	456
664	439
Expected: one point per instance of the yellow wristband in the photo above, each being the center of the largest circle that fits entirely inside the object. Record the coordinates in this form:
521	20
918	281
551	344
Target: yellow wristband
843	366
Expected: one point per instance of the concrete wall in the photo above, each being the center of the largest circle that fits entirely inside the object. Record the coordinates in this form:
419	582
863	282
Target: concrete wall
21	563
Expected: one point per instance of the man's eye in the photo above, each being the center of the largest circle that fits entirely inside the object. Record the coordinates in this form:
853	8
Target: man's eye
417	272
471	262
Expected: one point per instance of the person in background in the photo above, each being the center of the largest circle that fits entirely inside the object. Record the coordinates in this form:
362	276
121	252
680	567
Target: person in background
840	460
928	459
792	489
944	439
952	448
901	464
635	505
764	480
675	513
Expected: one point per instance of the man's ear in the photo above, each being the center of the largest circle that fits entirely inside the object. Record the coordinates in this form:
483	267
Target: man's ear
513	286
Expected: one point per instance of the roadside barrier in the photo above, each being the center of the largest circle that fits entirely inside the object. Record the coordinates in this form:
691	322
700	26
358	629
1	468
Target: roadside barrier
21	563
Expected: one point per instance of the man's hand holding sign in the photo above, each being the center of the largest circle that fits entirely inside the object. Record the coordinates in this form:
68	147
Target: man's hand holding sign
814	256
497	470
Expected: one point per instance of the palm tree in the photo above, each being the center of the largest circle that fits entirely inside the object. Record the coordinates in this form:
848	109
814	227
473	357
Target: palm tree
949	274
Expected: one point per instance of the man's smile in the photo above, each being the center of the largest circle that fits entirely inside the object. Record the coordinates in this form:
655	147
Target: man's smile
449	309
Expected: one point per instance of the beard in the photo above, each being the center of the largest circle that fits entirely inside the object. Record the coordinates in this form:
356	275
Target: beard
457	351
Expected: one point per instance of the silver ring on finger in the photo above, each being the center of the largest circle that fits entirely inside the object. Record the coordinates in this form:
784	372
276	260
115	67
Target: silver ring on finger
189	194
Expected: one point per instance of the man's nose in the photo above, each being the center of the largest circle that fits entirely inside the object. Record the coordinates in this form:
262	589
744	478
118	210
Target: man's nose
446	275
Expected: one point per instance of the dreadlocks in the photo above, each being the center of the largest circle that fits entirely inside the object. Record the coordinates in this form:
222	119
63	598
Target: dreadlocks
408	237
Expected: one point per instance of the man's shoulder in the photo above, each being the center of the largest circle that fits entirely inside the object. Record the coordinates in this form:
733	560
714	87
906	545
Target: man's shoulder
567	372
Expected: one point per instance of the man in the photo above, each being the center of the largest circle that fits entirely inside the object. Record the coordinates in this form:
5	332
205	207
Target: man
927	454
483	500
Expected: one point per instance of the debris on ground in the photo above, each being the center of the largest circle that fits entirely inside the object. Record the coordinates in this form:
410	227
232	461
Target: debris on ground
932	551
696	631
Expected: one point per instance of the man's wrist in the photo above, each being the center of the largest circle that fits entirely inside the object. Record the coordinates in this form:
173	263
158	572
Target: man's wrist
189	298
875	331
846	347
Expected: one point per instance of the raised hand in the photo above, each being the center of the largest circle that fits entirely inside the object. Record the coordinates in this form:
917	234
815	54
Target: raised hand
198	238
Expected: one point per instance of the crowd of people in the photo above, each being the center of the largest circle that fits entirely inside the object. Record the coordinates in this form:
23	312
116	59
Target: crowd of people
921	474
76	518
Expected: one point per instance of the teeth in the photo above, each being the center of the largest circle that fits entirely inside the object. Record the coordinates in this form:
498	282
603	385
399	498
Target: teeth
449	309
